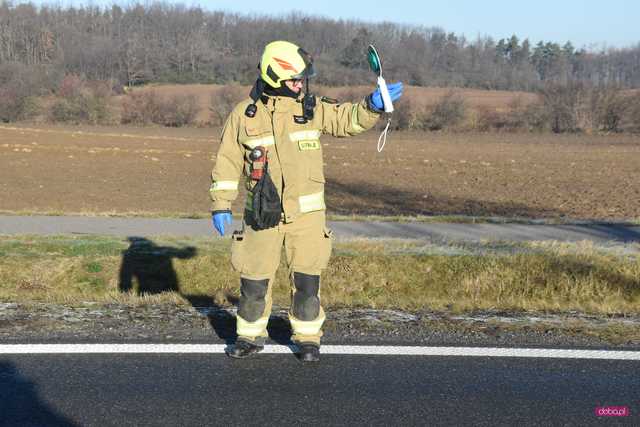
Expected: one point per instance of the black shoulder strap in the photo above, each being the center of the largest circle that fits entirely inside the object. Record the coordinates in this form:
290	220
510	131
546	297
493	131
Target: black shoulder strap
256	90
255	94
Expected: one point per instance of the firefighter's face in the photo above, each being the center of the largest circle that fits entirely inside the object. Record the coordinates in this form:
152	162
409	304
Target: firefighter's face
294	84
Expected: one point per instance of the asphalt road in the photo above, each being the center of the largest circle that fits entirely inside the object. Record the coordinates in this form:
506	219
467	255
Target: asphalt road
48	225
275	389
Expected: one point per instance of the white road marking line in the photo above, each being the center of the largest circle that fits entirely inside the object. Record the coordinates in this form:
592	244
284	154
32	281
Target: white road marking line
326	349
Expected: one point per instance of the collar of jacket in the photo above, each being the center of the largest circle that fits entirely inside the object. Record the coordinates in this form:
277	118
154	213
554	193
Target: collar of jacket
280	103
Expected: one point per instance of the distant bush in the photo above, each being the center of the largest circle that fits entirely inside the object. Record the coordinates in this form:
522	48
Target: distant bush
447	113
519	117
16	105
67	111
537	117
561	103
581	107
80	101
148	107
489	119
179	110
404	116
223	101
608	107
141	108
88	108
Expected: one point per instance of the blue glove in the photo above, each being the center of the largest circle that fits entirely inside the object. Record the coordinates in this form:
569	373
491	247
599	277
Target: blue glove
375	99
219	218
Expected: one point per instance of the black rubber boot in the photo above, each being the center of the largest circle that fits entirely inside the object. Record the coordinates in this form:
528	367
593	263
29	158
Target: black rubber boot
309	352
243	349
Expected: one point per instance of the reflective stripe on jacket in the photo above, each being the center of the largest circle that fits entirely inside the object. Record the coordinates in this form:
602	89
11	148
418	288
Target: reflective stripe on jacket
294	149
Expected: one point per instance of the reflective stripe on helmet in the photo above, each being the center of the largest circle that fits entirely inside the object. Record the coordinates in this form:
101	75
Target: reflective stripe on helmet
282	60
312	202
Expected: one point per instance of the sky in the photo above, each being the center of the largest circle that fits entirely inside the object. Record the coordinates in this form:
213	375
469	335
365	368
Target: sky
587	23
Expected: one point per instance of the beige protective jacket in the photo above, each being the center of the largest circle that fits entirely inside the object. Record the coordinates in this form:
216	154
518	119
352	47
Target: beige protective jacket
294	150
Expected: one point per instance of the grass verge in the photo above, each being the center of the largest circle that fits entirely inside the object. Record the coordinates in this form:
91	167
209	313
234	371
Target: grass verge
374	274
428	219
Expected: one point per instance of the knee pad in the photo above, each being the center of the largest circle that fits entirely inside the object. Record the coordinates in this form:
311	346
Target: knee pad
252	298
306	303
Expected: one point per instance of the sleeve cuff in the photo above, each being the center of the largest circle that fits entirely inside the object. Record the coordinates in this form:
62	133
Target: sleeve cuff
221	205
371	107
367	118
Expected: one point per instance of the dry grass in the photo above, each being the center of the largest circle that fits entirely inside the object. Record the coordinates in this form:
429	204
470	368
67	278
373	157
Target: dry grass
375	274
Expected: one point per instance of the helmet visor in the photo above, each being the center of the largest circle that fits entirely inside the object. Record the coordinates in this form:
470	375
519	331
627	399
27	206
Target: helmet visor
309	69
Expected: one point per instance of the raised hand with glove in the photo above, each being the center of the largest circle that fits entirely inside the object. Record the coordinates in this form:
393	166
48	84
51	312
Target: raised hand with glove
219	219
374	100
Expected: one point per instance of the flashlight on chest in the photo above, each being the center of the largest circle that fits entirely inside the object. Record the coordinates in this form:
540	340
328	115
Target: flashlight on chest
258	158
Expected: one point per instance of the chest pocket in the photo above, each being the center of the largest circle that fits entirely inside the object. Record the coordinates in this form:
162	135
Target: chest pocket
309	150
258	132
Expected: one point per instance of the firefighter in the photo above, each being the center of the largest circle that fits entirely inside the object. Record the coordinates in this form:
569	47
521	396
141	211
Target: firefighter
270	144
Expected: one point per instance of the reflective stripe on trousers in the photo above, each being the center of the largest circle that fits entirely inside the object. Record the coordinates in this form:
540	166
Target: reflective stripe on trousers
252	329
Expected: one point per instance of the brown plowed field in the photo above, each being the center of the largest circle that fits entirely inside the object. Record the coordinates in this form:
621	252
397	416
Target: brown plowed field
166	171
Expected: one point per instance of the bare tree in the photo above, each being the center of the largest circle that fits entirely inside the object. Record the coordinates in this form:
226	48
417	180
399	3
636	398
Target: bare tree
163	42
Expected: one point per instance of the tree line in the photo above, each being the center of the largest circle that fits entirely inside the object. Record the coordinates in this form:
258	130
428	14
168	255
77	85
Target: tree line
160	42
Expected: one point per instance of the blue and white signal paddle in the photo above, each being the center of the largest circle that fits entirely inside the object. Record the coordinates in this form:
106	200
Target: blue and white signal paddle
376	66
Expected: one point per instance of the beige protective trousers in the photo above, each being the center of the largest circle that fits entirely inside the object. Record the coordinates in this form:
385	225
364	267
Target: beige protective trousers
256	256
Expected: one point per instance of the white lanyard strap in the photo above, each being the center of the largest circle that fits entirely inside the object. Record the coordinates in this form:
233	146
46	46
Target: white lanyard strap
383	136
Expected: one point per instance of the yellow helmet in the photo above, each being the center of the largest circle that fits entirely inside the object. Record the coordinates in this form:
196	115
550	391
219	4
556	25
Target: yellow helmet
282	60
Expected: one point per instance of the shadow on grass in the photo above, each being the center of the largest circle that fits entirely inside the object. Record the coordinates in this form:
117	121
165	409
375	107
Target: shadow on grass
152	267
20	404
